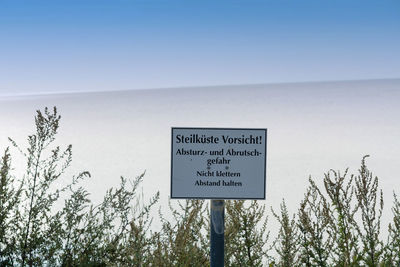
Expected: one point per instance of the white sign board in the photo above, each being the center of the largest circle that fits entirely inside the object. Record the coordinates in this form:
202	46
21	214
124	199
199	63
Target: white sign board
218	163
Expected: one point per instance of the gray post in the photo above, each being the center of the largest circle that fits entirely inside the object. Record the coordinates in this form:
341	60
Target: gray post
217	233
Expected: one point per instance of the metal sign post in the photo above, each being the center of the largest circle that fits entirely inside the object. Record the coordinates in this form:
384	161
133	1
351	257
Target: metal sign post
217	230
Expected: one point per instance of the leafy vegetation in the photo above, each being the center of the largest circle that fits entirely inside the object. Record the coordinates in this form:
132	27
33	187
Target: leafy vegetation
337	224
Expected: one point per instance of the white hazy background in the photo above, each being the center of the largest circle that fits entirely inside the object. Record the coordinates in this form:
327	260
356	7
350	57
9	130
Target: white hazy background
312	127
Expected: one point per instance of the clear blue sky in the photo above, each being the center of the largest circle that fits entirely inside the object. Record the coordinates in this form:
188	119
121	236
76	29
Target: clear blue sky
49	46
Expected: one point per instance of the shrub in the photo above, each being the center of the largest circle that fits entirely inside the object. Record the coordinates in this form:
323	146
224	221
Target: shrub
287	240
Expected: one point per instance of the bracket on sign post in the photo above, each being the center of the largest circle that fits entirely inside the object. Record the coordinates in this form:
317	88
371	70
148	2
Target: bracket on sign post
217	231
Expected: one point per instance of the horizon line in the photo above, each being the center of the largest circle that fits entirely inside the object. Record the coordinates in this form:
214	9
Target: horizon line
40	94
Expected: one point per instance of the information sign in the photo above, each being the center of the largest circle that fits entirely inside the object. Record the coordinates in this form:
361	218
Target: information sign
218	163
